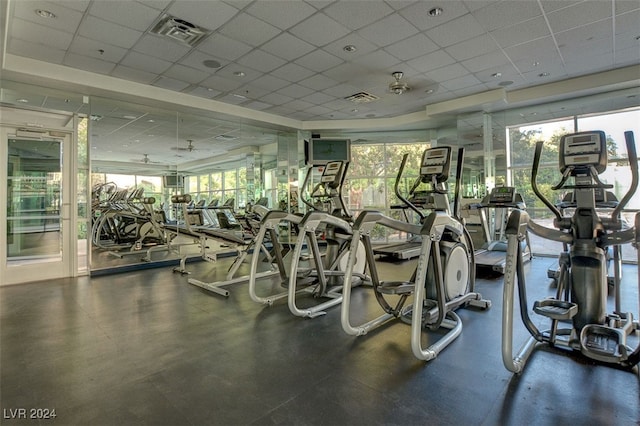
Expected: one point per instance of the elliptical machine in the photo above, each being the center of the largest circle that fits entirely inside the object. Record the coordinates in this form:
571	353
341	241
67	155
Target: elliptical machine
324	277
581	297
444	277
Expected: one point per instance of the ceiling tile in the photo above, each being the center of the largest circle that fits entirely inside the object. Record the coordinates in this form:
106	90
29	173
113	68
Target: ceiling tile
66	20
412	47
387	31
463	28
221	84
98	29
249	30
298	105
587	34
170	83
276	99
319	82
551	5
292	72
628	22
480	45
461	82
506	13
418	14
295	91
34	33
318	98
628	56
379	60
352	39
205	14
447	73
196	58
161	47
522	32
342	90
355	15
624	6
431	61
287	46
188	74
251	91
270	83
319	30
127	73
144	62
257	105
346	72
224	47
156	4
282	14
129	14
260	60
35	51
96	49
205	92
578	15
487	61
534	50
319	61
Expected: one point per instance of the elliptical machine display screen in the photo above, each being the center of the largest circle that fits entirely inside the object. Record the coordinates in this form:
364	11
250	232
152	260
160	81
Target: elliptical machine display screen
331	173
583	150
436	162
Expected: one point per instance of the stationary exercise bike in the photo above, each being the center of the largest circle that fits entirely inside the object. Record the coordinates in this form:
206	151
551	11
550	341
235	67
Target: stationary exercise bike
581	297
444	278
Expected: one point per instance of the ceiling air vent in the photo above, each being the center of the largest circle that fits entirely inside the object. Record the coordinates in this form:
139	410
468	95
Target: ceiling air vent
179	29
362	97
225	138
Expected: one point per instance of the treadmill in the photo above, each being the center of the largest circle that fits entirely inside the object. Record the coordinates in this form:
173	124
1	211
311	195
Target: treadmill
492	255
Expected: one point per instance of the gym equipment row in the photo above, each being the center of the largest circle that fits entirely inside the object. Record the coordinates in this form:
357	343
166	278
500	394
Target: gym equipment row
443	280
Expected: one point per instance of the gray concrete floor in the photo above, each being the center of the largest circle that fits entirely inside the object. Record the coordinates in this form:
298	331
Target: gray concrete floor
146	347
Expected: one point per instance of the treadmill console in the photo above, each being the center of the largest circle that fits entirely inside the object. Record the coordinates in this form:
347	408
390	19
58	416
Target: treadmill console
436	162
580	151
503	195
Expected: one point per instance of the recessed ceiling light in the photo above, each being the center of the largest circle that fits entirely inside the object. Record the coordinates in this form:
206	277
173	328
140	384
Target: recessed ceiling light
151	120
349	48
45	13
535	63
496	75
129	117
505	83
354	110
23	100
211	63
239	73
543	74
436	11
429	91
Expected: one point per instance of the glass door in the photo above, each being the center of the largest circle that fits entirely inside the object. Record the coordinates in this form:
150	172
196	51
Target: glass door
36	205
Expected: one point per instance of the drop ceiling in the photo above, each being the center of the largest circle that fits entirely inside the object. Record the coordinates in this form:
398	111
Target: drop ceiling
294	63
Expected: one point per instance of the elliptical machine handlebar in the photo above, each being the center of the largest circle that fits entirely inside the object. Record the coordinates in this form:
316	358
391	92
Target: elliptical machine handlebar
534	174
397	189
633	163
